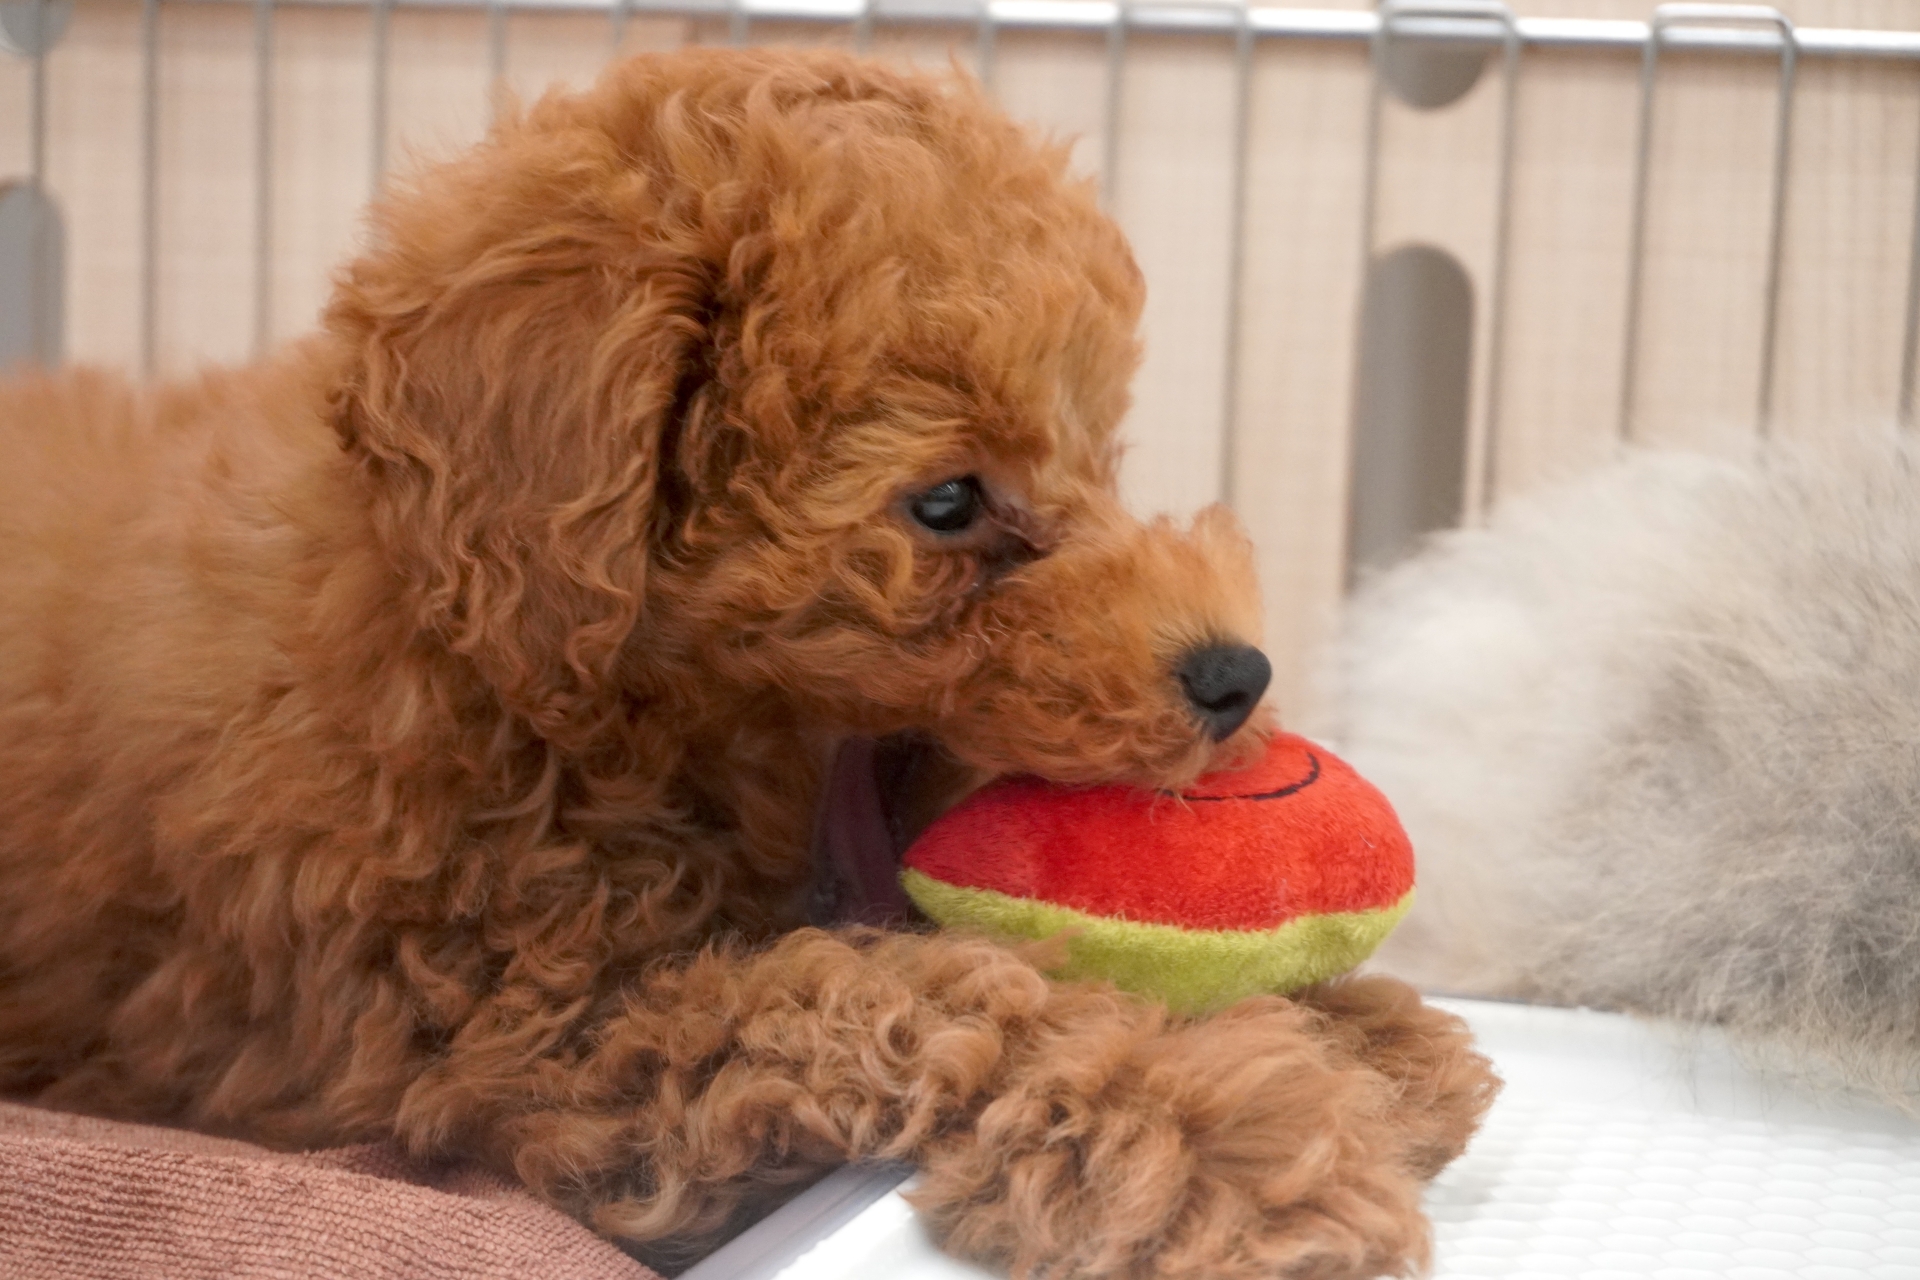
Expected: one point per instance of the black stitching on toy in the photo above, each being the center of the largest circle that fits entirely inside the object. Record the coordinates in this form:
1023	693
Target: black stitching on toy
1312	777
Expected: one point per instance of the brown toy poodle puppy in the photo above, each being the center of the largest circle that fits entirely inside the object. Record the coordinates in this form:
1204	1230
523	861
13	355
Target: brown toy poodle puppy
419	733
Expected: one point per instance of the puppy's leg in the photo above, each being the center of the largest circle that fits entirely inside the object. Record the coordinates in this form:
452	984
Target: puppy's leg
1442	1086
1062	1129
1127	1144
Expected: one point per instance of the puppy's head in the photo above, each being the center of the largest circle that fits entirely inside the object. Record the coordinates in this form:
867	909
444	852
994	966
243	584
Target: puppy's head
785	379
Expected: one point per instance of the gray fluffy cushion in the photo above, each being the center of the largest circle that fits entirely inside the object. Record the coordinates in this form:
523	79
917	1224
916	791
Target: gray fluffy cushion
1656	737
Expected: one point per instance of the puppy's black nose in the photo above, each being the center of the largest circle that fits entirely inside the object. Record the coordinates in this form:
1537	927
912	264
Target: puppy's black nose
1224	683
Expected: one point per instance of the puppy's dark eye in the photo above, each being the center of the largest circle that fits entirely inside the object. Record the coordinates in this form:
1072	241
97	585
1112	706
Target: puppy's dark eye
950	507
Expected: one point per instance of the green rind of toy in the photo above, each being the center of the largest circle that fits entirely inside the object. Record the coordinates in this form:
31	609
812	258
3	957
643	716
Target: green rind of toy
1193	970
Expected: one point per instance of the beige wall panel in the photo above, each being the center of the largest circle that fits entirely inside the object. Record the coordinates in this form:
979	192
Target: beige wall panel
1898	14
545	50
651	35
206	185
791	34
1171	195
1302	256
1438	184
1707	223
16	114
322	148
437	83
1437	172
709	31
934	46
1057	82
1849	236
93	168
1567	265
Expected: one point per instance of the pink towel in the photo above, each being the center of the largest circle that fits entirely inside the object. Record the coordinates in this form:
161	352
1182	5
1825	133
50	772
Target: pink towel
90	1198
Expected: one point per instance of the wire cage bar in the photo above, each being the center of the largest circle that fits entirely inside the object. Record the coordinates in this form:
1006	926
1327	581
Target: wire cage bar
1910	330
1668	19
41	36
380	56
149	185
1236	255
1483	18
262	175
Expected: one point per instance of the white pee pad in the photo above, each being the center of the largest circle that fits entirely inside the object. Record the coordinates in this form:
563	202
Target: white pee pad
1618	1151
1625	1151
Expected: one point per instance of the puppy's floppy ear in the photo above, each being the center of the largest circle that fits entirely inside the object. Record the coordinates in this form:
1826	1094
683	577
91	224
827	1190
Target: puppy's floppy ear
508	399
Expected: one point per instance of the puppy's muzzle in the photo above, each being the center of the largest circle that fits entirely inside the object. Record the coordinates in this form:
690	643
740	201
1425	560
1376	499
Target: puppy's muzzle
1224	682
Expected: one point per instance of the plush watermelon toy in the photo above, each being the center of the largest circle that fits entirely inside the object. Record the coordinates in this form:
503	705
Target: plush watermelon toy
1263	879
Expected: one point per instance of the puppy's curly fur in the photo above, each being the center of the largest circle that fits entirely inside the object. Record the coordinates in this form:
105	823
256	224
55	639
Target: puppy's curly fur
418	733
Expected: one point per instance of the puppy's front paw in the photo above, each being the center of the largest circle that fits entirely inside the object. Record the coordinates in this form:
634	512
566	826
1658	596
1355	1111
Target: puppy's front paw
1442	1086
1248	1145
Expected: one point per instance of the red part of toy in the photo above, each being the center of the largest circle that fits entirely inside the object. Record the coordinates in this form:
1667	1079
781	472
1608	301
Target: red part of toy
1298	833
